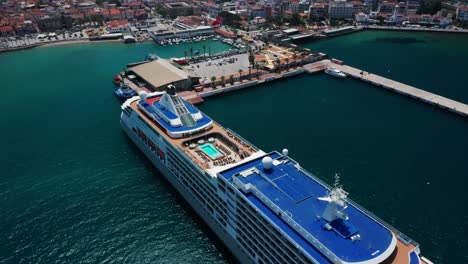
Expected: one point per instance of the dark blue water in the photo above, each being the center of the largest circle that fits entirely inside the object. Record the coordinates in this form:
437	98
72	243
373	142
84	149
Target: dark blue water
432	62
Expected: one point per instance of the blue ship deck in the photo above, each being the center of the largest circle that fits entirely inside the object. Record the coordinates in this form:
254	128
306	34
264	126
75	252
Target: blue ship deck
153	102
295	193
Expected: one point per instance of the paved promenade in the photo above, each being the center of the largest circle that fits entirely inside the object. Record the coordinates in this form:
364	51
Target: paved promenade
417	29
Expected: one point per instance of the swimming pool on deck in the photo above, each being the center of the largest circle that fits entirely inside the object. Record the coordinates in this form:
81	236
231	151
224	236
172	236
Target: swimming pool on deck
210	150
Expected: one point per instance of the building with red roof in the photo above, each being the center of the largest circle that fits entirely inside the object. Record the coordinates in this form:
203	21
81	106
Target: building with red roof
462	13
117	26
7	31
225	33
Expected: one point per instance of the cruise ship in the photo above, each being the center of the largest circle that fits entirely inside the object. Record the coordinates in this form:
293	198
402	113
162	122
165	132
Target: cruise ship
263	206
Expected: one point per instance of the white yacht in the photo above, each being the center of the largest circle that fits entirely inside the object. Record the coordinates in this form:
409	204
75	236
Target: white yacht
335	72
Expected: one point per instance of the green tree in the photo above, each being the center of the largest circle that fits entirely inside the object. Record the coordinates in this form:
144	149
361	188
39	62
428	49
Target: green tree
257	67
240	74
223	80
213	79
229	19
430	7
295	20
231	79
278	65
161	11
381	19
294	57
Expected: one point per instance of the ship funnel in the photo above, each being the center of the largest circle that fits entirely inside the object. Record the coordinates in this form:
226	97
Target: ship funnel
285	152
143	95
267	163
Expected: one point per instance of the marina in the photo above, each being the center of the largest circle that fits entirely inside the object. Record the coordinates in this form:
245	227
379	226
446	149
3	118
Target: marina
334	67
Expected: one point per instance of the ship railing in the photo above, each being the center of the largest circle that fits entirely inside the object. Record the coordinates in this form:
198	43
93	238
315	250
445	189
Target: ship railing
404	238
288	219
242	139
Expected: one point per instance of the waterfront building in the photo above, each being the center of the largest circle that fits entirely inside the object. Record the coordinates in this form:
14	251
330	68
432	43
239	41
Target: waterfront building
462	13
6	31
386	7
396	17
412	6
117	26
318	11
340	9
361	18
157	74
181	9
359	6
198	31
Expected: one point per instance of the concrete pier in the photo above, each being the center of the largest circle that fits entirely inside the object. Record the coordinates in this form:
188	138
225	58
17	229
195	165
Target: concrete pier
401	88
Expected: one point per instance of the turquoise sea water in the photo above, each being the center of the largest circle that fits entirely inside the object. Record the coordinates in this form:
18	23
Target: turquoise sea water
74	189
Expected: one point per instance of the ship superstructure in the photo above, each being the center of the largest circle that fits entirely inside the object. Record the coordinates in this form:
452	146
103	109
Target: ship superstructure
264	206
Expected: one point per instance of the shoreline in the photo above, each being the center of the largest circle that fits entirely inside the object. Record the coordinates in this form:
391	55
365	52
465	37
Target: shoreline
79	41
364	28
63	43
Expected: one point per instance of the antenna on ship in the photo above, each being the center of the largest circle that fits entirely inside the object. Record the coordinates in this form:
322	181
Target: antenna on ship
336	199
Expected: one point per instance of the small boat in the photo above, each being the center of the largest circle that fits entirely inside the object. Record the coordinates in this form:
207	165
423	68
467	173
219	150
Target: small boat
116	80
335	72
129	39
124	91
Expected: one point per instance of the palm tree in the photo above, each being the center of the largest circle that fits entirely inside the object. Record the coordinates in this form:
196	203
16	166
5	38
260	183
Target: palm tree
278	64
223	80
301	57
294	56
287	64
257	67
240	75
213	79
250	72
231	79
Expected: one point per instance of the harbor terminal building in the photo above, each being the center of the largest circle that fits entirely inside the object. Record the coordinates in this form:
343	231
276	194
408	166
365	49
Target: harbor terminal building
159	73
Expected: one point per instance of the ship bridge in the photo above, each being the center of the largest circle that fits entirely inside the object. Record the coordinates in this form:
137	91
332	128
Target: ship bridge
179	118
321	220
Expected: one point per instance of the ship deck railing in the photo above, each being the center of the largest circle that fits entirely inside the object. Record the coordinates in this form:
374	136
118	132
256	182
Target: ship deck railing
404	238
242	139
288	219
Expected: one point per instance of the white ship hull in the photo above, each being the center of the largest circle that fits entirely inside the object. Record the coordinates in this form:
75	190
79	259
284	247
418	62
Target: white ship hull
220	232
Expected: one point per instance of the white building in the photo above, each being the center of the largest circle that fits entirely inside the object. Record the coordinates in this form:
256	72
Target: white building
361	18
340	9
462	13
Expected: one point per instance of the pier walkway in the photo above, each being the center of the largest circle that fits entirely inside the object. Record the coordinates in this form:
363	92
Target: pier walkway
427	97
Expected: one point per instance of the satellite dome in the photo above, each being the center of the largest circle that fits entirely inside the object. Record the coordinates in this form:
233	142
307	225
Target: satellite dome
143	95
285	152
267	163
171	90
